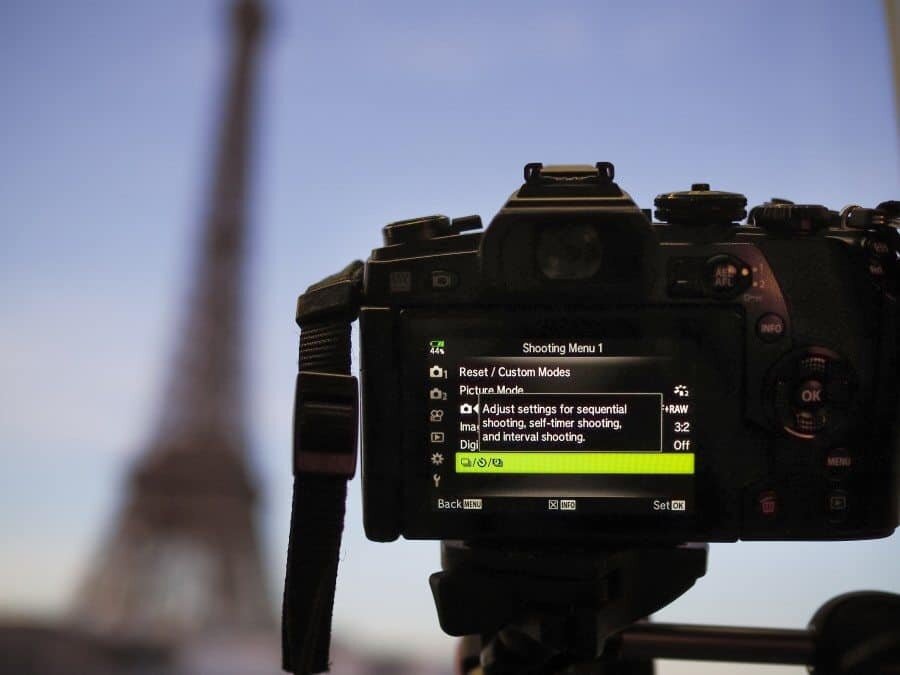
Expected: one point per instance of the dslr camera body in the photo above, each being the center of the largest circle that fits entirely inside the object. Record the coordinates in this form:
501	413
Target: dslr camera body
577	372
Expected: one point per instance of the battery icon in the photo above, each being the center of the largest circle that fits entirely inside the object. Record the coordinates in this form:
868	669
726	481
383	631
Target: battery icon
436	344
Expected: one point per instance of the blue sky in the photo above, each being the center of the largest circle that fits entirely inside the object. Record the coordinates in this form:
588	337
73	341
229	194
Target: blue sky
371	112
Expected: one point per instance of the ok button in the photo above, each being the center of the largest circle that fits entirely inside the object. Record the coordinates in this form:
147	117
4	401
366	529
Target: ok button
810	393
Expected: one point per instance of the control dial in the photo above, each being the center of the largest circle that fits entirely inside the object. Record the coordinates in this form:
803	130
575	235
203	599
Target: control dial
891	210
700	206
855	217
785	218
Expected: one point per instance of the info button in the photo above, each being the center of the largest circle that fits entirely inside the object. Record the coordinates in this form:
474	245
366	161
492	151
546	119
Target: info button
770	327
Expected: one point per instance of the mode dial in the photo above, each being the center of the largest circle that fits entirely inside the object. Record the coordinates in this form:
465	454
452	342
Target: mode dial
415	229
700	206
427	227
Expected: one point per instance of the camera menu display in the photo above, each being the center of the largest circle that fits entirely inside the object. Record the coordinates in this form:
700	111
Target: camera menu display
585	425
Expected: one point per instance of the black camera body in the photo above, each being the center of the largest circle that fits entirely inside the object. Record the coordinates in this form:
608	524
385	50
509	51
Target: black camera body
579	372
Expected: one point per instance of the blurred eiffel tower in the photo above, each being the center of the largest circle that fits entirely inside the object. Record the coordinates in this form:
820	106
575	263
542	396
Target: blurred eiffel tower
184	558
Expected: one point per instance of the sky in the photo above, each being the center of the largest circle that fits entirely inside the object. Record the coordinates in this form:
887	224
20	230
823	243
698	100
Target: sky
368	113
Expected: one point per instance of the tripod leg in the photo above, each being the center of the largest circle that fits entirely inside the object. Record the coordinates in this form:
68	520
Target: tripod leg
514	652
467	659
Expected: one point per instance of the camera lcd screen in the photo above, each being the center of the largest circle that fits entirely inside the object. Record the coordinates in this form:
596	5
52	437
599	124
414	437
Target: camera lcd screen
558	413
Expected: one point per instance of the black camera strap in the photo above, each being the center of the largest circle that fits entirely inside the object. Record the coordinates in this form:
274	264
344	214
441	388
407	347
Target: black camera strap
326	411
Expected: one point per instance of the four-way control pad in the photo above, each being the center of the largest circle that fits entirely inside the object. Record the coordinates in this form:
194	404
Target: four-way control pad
813	393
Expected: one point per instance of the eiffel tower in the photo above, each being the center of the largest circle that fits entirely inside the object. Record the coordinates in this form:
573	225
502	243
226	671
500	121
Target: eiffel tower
184	557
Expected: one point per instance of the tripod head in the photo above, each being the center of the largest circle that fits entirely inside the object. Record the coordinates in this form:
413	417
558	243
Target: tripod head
568	611
542	609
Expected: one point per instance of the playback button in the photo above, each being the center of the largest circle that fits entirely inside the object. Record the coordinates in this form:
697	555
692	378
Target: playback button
838	505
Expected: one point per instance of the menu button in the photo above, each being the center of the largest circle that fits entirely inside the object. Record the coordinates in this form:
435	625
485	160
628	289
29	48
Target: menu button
838	461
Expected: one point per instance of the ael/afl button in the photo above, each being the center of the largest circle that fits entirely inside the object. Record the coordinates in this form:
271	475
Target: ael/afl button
727	276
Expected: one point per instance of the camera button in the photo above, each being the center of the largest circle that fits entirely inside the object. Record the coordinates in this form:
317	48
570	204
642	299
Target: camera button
770	327
443	280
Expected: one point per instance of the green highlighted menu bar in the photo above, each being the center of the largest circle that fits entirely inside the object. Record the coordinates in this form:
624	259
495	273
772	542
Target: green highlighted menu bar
575	462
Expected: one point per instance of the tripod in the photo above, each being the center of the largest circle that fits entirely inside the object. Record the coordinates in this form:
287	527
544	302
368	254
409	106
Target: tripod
579	610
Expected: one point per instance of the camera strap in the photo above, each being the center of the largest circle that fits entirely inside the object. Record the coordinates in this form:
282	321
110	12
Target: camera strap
326	407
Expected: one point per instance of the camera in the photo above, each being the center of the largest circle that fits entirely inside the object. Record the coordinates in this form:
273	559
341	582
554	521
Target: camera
576	399
578	372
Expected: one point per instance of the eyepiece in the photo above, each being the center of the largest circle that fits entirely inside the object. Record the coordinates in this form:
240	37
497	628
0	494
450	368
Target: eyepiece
569	252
